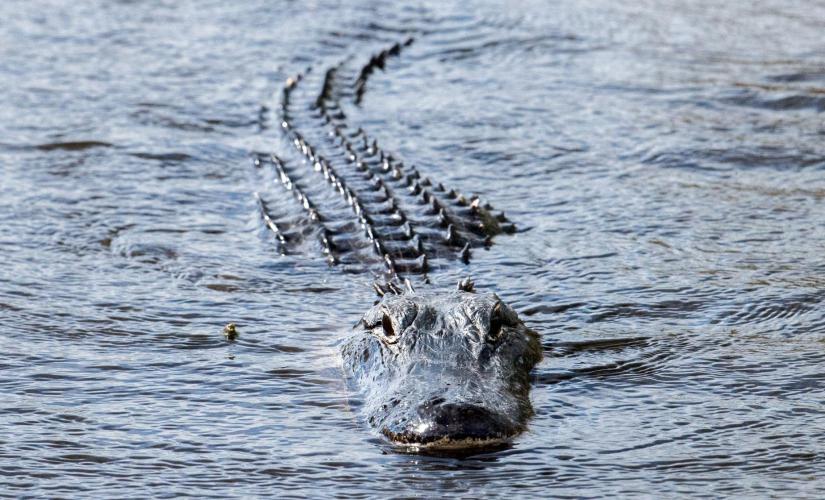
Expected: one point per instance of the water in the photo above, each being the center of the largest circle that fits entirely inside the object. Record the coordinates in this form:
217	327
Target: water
664	163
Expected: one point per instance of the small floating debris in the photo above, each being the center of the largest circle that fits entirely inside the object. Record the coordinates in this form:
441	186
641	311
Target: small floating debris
230	332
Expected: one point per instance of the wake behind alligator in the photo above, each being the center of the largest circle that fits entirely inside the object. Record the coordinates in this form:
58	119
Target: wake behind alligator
436	369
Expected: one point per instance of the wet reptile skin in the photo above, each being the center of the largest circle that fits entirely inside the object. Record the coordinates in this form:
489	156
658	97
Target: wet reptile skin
437	369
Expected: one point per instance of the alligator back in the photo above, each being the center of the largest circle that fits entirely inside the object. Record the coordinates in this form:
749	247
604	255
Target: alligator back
365	207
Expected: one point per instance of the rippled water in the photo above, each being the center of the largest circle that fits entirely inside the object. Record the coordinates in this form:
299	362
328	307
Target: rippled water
663	162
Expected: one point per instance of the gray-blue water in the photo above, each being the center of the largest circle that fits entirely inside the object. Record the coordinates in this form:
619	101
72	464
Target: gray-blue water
664	162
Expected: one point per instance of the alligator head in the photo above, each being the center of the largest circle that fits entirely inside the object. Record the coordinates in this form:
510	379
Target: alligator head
448	370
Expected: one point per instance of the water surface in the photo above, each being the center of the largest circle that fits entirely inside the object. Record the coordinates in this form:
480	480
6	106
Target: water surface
663	162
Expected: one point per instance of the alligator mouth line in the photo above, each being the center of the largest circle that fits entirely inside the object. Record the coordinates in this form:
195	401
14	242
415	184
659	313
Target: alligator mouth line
407	441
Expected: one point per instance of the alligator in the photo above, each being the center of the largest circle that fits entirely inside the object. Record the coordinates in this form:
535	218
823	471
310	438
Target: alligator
436	369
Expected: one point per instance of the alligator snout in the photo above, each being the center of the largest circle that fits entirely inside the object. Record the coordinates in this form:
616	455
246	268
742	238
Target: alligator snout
458	425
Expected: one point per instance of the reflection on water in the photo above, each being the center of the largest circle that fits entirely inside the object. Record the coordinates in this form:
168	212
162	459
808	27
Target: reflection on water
663	163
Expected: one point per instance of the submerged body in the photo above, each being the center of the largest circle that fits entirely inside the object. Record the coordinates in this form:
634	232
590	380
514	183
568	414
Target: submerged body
443	370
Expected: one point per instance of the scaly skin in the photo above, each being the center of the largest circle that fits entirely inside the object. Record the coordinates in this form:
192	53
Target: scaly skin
443	370
437	370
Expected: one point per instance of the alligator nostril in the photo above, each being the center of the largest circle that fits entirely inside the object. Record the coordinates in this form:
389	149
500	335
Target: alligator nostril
460	421
458	414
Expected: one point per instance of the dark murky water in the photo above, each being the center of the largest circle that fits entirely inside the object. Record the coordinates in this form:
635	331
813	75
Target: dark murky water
665	163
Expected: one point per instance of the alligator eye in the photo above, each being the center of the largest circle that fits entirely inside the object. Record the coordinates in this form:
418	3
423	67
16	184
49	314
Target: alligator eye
387	324
496	321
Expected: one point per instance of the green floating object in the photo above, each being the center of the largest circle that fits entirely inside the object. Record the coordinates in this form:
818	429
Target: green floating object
230	332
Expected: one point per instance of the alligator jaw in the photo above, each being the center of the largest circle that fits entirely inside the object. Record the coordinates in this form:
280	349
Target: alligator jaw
446	443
